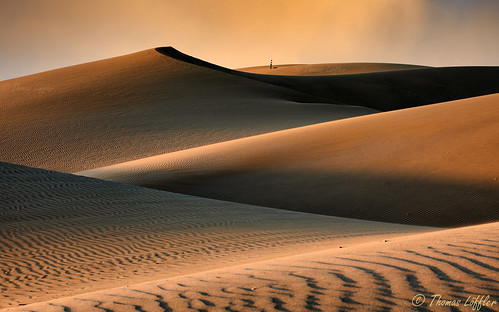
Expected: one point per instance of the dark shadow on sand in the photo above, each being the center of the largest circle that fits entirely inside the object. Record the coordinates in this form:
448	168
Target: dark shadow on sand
406	200
384	91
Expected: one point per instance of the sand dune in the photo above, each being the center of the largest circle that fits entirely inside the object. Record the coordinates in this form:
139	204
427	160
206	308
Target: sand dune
389	90
458	264
140	105
161	101
427	165
327	69
62	234
302	140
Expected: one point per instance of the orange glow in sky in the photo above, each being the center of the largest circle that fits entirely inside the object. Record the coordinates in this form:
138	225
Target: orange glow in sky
38	35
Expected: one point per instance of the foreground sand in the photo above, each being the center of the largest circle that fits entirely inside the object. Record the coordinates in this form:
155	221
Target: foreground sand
433	165
458	264
62	234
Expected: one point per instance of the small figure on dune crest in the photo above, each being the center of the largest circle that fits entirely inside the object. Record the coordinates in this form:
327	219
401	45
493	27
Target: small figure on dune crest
270	64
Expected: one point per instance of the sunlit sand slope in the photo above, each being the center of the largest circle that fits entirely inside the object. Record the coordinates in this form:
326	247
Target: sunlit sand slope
433	165
459	265
139	105
327	69
62	234
148	103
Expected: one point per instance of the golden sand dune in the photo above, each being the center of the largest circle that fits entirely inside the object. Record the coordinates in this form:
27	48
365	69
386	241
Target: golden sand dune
62	234
139	105
327	69
459	265
433	165
159	101
163	119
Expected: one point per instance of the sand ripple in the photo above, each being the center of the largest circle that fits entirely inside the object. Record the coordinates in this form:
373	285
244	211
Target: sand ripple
456	264
62	234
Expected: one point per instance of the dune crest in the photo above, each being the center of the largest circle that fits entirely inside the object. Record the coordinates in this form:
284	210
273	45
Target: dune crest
139	105
161	100
388	90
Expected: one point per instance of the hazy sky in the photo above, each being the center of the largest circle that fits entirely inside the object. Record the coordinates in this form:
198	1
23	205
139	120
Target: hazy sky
38	35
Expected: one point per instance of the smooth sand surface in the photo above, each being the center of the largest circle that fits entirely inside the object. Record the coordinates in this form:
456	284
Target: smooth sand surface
326	69
432	165
458	264
62	234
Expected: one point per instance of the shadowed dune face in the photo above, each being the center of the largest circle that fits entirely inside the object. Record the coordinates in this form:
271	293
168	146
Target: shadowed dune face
327	69
381	276
427	165
140	105
389	90
62	234
392	90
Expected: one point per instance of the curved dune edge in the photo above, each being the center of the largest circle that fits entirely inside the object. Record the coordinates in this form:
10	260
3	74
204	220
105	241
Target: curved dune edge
327	69
139	105
148	103
62	234
458	264
292	69
425	165
385	91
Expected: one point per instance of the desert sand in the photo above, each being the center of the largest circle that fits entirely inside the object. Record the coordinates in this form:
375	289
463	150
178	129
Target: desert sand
149	103
156	181
63	234
365	167
141	105
378	276
326	69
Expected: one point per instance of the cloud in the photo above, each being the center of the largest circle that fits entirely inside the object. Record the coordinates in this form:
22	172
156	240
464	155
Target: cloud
42	34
